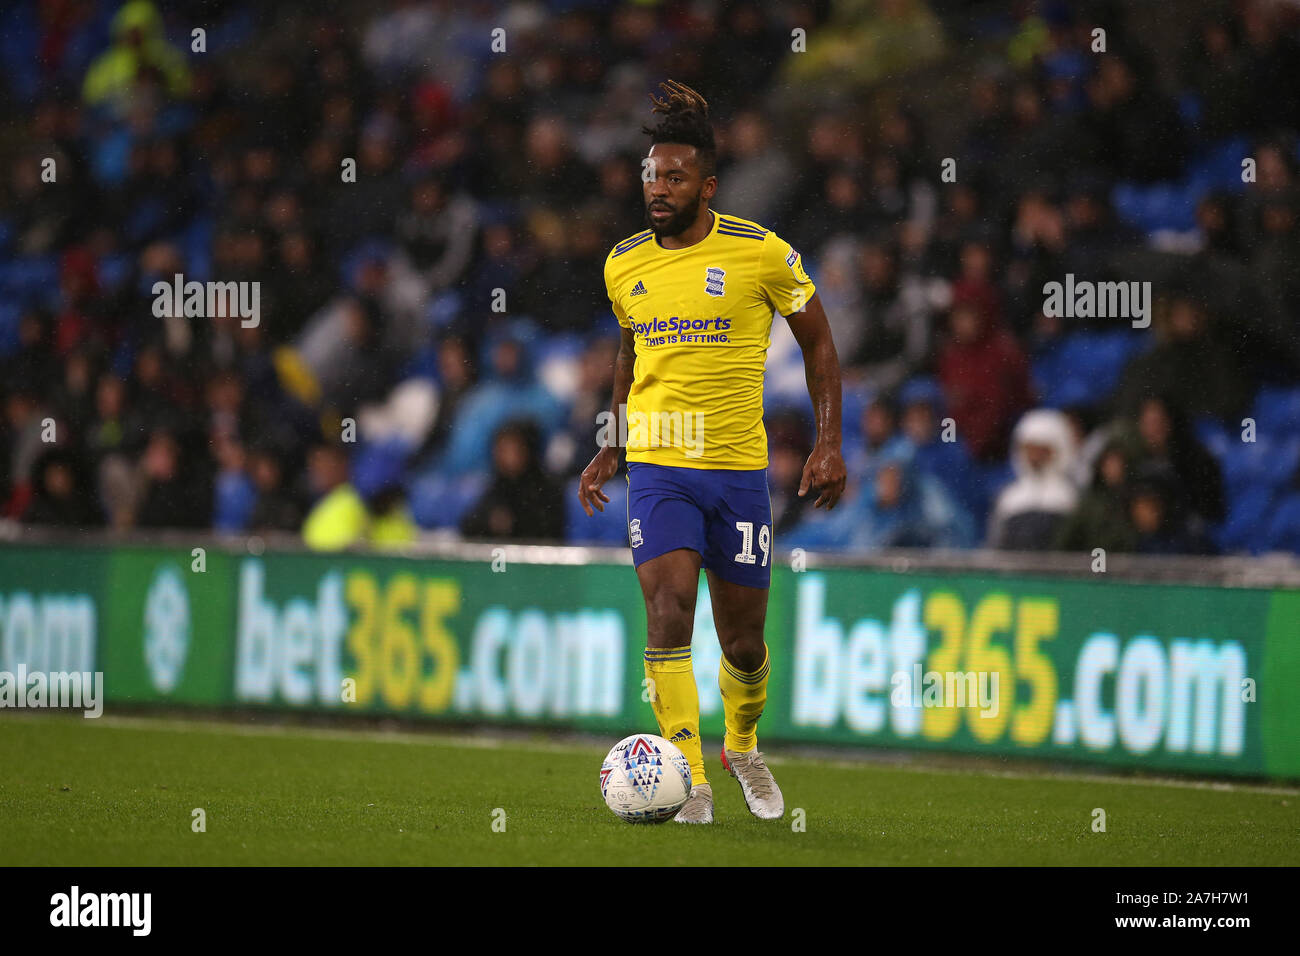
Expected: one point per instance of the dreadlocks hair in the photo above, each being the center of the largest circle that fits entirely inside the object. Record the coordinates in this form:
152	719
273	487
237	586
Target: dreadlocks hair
686	122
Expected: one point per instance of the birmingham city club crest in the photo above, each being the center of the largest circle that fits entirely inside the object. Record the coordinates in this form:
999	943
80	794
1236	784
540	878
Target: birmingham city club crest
713	277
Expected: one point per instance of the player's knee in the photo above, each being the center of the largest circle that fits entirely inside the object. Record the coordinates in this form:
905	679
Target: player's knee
744	650
670	614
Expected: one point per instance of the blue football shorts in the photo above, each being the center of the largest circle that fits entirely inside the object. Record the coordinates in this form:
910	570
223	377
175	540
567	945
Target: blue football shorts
725	516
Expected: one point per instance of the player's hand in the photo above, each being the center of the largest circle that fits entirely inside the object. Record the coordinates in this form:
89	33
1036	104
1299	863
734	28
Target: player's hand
824	472
602	468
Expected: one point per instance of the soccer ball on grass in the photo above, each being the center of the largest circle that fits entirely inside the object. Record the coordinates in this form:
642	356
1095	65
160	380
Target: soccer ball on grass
645	779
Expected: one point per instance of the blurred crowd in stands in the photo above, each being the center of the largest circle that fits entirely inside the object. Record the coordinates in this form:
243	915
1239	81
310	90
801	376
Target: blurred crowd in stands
428	218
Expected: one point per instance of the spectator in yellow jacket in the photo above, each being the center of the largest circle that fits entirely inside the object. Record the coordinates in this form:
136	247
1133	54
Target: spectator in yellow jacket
139	54
340	518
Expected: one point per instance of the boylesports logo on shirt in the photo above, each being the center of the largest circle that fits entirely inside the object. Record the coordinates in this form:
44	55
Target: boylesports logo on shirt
673	330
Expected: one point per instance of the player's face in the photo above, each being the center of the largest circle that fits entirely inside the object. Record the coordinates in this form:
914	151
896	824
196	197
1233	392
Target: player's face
674	191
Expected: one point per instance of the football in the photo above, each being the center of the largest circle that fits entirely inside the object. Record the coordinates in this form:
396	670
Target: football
645	779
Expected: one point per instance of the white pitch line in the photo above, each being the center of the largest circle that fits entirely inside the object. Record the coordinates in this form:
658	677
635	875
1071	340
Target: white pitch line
439	738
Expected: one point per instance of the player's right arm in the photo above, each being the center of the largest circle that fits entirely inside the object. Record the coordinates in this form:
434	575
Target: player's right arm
791	292
824	472
605	465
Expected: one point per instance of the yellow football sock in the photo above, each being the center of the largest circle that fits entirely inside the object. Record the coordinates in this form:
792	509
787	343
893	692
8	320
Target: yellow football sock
743	698
676	702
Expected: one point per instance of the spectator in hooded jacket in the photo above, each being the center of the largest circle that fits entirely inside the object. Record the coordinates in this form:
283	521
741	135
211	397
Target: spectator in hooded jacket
509	391
906	508
140	56
1031	512
339	518
522	502
1101	519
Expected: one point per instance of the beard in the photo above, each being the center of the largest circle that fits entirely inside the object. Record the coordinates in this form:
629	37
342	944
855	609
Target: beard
680	217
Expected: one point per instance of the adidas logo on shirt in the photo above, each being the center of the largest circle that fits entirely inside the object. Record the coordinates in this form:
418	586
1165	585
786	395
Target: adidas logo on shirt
638	289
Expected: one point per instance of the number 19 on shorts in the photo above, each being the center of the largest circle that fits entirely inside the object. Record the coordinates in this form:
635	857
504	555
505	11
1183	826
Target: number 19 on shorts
746	555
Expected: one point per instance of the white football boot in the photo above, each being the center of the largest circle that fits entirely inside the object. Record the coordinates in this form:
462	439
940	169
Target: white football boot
762	795
698	807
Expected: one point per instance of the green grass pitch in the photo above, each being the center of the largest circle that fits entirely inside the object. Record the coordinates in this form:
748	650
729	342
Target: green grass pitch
79	792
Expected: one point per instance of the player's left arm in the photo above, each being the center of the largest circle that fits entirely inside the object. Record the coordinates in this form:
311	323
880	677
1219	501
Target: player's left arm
824	470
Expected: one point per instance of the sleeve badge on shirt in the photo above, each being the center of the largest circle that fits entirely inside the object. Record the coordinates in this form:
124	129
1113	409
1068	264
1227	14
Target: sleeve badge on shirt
796	266
713	277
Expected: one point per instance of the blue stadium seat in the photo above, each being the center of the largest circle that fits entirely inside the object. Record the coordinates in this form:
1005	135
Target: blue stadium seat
555	362
558	345
1115	349
10	313
1129	204
1283	533
438	501
1070	390
422	364
1265	463
231	30
31	281
115	270
855	401
20	45
987	482
1084	367
1045	370
196	247
1247	520
1172	205
777	404
603	528
1218	167
1277	411
1282	466
379	465
1211	433
144	220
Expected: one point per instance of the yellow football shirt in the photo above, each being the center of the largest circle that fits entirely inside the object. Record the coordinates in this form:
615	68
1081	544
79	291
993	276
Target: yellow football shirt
702	318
